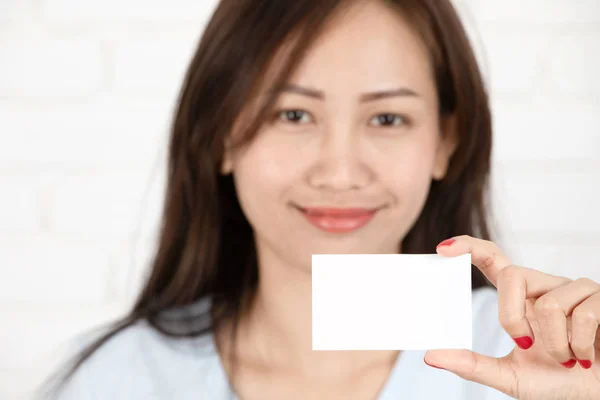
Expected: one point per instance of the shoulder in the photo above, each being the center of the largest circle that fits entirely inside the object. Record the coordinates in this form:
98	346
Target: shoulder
489	337
140	362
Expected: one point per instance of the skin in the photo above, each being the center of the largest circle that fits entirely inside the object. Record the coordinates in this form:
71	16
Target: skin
560	315
336	153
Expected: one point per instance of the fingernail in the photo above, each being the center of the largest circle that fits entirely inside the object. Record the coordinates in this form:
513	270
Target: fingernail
431	365
569	364
446	242
524	342
585	364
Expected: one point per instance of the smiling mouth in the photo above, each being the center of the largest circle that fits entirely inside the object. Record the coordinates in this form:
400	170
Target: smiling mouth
338	220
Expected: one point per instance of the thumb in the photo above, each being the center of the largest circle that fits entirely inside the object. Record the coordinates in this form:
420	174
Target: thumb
488	371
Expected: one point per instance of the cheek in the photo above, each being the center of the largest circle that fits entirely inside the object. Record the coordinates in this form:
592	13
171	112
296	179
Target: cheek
408	165
268	168
263	174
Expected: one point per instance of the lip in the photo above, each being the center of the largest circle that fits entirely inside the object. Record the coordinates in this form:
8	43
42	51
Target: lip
338	220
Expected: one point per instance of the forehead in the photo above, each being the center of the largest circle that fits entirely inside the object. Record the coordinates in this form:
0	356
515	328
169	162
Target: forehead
369	47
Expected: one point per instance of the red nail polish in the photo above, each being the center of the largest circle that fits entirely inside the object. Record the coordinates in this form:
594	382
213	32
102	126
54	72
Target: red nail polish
585	364
431	365
524	342
569	364
446	242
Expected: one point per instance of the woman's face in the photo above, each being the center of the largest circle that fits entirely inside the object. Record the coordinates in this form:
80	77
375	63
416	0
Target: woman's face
346	161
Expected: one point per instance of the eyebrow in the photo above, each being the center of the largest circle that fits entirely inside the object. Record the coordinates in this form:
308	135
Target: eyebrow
365	97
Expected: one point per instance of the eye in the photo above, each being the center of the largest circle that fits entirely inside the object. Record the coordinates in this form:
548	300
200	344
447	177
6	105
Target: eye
294	116
388	120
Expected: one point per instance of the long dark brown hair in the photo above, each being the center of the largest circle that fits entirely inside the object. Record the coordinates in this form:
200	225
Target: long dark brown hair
202	221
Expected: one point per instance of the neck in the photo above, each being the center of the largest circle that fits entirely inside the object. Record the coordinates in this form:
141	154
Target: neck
279	323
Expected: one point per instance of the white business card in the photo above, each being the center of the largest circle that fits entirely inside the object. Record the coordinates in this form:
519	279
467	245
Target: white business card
391	302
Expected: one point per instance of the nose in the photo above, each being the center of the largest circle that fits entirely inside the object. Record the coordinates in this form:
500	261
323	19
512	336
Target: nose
340	165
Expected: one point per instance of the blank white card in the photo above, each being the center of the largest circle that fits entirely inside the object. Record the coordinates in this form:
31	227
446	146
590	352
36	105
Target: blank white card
391	302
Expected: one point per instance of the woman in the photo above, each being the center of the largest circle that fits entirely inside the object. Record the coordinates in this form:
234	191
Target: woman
331	126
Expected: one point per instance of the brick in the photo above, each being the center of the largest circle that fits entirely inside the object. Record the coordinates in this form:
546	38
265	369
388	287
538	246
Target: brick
14	12
103	132
512	60
17	385
553	130
130	12
541	12
564	254
557	256
23	384
37	66
112	201
33	267
547	197
21	209
132	263
153	62
575	62
40	335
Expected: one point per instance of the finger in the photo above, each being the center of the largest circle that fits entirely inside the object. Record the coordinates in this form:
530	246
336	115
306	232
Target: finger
552	311
584	326
485	255
516	285
475	367
552	323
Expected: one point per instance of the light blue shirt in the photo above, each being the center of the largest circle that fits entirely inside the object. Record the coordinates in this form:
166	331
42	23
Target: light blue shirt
139	363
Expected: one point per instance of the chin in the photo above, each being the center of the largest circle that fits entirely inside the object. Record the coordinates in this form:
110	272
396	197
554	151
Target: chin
356	246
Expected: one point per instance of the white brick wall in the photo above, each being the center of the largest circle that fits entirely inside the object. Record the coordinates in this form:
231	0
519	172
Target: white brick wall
86	90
